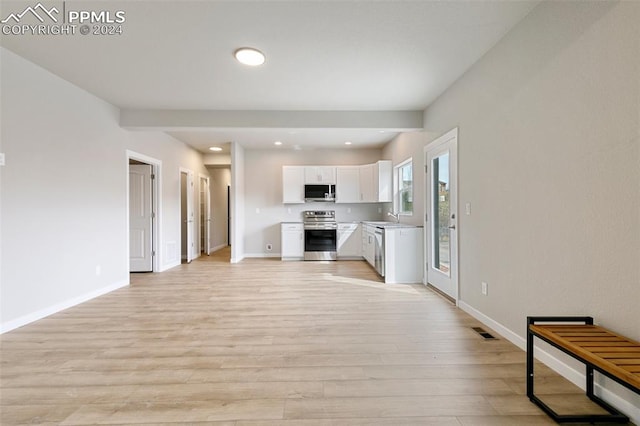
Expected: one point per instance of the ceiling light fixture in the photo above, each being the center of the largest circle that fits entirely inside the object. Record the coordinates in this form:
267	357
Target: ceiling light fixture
347	143
277	143
215	148
249	56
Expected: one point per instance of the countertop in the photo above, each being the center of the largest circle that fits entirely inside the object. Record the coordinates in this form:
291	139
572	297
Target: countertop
386	225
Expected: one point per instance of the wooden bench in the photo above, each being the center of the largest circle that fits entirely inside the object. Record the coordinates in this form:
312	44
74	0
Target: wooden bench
601	350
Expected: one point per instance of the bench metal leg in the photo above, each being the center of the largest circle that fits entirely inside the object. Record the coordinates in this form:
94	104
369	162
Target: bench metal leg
614	415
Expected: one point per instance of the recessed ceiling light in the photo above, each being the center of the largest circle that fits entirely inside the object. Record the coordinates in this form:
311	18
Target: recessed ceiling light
277	143
249	56
347	143
215	148
381	131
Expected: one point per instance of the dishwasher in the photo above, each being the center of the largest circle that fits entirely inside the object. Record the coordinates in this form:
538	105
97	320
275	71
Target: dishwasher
379	251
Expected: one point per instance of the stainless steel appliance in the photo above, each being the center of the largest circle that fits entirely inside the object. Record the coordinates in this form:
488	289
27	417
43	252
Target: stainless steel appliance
326	193
379	253
320	235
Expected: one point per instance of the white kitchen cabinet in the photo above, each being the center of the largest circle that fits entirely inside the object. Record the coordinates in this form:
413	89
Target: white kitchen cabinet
367	188
349	241
293	184
403	255
369	243
320	175
348	184
383	180
376	183
292	241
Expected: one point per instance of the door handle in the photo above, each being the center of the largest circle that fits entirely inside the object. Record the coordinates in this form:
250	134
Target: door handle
452	227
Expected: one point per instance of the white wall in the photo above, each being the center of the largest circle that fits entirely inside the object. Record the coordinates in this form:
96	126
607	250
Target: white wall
549	158
220	180
263	193
64	192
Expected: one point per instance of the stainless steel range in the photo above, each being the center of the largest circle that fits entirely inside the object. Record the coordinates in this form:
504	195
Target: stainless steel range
320	235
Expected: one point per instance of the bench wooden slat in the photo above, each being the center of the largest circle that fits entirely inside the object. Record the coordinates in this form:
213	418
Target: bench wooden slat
591	351
617	355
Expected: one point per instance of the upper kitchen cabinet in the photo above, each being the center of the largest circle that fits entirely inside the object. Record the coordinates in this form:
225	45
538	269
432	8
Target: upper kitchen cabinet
348	184
382	178
367	186
293	178
320	175
375	182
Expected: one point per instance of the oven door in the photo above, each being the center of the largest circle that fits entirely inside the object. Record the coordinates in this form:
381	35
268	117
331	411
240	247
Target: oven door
320	244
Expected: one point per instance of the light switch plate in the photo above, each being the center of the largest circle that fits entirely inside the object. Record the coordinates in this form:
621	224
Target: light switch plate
1	158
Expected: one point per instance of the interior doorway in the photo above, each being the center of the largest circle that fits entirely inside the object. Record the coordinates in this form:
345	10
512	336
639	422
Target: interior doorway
441	219
187	219
205	216
142	207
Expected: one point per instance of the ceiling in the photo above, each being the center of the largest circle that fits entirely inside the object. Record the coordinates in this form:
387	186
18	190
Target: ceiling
338	56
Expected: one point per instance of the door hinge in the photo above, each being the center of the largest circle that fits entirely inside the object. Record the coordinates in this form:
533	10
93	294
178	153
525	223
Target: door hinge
153	176
426	217
153	253
426	169
153	215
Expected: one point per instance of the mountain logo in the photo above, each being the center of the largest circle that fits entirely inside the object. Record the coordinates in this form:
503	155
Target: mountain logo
38	11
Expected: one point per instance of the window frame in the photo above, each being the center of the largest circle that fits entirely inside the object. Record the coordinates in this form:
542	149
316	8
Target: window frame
397	191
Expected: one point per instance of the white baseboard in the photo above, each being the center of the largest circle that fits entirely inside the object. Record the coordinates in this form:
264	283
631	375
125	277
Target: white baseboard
216	248
261	255
58	307
169	266
577	378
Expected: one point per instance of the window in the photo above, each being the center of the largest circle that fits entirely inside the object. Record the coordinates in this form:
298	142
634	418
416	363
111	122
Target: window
403	186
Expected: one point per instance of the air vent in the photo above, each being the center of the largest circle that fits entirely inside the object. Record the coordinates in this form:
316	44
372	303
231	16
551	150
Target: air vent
481	331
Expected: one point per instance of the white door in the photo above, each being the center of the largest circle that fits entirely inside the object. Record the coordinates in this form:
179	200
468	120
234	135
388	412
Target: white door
140	218
205	217
187	215
190	218
441	217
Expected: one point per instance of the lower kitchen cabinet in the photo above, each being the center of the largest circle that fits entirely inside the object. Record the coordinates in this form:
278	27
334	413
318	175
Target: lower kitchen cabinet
292	241
403	255
349	241
369	243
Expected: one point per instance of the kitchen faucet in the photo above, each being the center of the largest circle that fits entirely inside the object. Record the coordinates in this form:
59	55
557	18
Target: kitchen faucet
395	216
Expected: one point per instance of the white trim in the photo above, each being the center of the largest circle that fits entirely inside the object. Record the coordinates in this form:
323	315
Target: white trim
58	307
208	214
557	365
396	186
219	247
237	259
190	179
156	190
170	265
451	135
261	255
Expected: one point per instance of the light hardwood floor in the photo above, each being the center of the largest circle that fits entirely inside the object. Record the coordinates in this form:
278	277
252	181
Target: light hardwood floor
266	342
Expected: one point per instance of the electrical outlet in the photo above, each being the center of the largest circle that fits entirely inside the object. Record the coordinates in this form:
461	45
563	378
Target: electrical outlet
269	247
484	288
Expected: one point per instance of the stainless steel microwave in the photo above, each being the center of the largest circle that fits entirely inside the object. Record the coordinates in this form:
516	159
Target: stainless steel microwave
320	193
